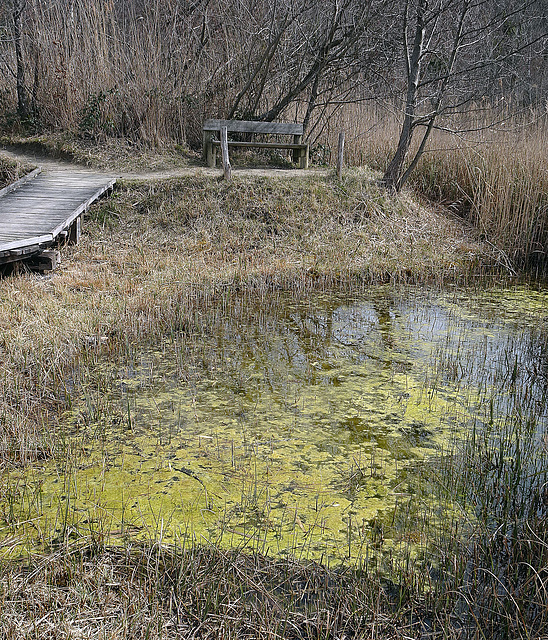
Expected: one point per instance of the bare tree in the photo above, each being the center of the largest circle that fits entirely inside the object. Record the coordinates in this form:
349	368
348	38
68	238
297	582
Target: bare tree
329	36
22	100
304	51
449	47
153	69
259	69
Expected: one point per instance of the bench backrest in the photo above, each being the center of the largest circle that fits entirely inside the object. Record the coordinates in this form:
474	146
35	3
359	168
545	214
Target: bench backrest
249	126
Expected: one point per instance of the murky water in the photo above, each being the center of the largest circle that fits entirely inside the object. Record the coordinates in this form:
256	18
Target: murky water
293	426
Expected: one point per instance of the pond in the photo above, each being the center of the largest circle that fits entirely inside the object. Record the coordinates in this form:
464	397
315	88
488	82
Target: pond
327	427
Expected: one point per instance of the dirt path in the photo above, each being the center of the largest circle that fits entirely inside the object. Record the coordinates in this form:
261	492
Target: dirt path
47	162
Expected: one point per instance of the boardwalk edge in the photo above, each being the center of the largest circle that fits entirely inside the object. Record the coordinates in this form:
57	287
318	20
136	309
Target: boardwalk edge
19	183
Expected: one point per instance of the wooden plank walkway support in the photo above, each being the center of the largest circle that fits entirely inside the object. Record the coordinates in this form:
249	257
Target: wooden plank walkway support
45	209
340	155
46	260
224	148
75	231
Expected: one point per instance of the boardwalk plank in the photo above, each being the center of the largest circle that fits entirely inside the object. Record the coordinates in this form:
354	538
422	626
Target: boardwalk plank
34	213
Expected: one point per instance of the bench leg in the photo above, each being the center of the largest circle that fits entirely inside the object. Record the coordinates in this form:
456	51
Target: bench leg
303	157
206	139
297	152
209	152
211	155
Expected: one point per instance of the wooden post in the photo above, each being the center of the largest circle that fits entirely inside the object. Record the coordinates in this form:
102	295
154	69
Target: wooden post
209	151
303	161
340	155
224	148
75	231
297	153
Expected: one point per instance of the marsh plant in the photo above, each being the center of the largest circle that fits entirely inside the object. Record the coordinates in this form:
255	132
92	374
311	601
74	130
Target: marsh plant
199	437
486	165
434	517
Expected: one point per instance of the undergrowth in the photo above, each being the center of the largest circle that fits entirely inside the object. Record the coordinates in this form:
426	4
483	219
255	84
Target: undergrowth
152	259
12	170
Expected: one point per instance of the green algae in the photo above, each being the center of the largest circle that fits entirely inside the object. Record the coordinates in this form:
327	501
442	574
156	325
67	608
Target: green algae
303	427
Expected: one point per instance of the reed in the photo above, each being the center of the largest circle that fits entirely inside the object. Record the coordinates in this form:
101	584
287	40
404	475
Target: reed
493	175
500	184
12	170
158	591
99	69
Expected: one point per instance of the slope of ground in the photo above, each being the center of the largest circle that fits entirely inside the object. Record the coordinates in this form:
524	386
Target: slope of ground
151	256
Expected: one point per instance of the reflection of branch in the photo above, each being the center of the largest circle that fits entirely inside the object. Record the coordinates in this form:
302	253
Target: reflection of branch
190	474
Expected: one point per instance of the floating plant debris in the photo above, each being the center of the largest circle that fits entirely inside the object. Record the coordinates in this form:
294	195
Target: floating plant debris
291	426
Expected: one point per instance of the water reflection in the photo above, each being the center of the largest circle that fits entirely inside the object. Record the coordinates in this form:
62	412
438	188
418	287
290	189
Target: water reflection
297	424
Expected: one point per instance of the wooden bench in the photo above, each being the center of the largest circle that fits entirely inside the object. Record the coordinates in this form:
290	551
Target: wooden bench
212	134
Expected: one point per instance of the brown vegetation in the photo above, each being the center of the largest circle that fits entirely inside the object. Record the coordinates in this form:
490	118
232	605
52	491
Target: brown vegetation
151	247
153	71
12	170
152	258
161	592
494	177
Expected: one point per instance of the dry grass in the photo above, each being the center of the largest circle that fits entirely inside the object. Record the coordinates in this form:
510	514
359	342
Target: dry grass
144	76
500	184
154	252
12	170
113	154
136	71
492	175
159	592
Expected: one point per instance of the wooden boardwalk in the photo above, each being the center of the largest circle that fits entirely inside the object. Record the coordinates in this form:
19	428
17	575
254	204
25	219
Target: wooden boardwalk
45	208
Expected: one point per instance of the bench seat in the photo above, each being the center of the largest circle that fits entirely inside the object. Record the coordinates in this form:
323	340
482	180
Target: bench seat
213	127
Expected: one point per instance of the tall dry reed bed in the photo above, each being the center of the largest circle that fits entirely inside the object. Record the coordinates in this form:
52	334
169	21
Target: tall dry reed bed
500	184
487	165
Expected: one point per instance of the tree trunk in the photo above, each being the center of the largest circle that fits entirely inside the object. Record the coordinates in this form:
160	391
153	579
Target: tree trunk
392	178
393	174
22	103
